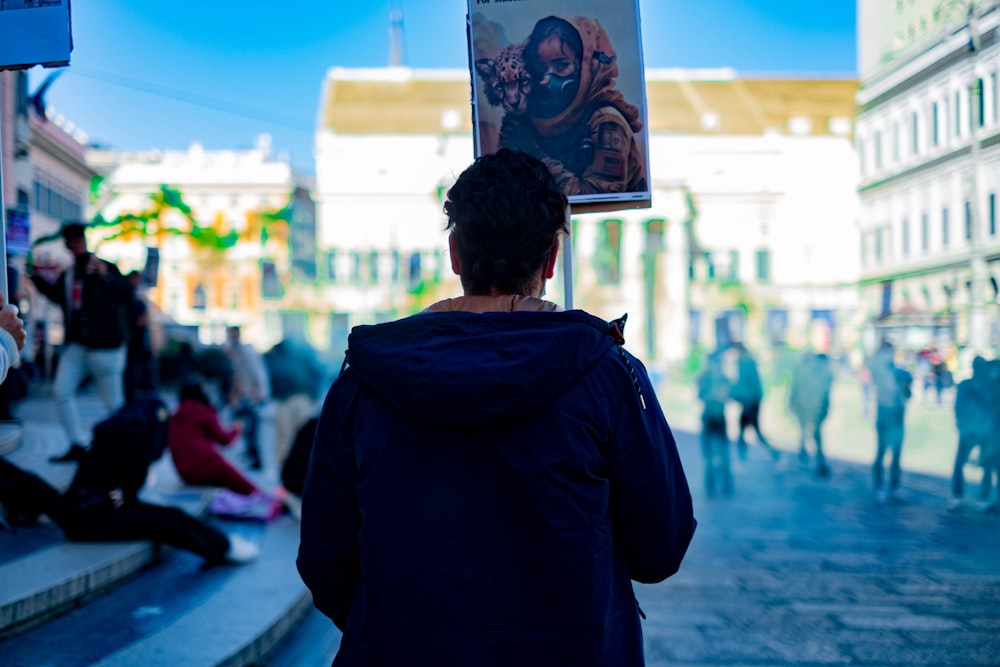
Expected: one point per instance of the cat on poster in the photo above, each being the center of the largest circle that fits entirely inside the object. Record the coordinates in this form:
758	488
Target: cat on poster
564	81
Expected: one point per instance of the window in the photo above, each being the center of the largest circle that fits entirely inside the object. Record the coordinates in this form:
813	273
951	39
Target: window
935	120
944	227
916	133
906	236
331	266
993	214
993	97
654	236
895	142
733	270
198	297
861	156
355	275
607	257
958	114
763	268
864	249
878	150
415	275
396	259
968	220
925	233
709	267
373	267
979	102
878	245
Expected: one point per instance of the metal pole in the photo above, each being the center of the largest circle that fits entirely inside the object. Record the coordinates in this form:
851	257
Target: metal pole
977	334
568	260
3	208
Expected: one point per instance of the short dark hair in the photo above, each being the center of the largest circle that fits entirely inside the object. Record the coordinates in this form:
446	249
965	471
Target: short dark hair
72	230
505	212
193	391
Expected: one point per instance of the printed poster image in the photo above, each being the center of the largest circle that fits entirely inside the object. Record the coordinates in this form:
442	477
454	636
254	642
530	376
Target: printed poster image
563	80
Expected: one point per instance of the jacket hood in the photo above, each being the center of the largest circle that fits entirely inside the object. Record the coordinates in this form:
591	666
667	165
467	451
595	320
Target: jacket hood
598	72
458	368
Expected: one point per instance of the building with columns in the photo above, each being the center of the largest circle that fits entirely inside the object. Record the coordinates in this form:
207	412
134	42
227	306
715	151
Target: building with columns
219	263
928	130
752	234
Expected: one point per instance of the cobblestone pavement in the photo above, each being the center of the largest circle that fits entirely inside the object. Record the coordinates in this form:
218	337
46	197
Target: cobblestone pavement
794	570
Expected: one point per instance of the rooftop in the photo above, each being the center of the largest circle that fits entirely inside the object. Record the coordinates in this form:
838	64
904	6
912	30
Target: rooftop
407	101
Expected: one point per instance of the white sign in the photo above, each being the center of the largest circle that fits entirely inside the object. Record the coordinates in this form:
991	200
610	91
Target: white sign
563	80
34	32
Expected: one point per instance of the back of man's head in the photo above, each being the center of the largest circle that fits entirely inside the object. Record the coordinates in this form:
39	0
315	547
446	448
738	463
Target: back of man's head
505	212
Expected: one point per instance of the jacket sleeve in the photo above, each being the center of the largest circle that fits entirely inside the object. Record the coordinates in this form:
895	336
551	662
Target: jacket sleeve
328	559
651	511
9	355
211	427
54	292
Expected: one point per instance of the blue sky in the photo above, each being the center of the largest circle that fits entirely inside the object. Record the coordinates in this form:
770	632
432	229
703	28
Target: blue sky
164	74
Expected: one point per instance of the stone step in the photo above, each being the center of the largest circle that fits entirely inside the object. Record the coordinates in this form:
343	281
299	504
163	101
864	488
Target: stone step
45	583
241	622
61	576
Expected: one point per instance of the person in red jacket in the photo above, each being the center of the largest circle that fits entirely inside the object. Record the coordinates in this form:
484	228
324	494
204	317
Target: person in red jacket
192	436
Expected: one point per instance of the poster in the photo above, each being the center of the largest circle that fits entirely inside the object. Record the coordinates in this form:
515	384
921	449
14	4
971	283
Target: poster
18	232
564	81
35	32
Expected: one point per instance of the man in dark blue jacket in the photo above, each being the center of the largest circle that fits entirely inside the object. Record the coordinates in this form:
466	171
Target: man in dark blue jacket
489	476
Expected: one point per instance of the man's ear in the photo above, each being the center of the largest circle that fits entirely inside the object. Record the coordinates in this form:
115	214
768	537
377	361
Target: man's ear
456	262
550	263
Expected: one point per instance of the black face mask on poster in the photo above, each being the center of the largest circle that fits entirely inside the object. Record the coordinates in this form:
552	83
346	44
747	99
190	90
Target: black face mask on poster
554	93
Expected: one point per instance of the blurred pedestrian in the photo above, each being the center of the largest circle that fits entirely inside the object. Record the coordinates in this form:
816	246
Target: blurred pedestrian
809	402
973	404
192	436
990	456
489	475
295	374
102	502
139	374
893	388
714	389
865	378
748	391
93	296
248	391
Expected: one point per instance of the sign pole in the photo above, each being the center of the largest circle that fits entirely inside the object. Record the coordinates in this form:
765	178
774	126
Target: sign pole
568	260
4	297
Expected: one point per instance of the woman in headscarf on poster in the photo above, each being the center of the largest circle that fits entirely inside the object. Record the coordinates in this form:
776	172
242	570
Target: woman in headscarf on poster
576	122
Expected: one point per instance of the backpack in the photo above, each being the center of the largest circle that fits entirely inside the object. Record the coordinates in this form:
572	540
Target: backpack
123	447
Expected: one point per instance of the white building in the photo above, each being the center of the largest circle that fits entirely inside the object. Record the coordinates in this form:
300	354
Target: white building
236	274
765	245
927	133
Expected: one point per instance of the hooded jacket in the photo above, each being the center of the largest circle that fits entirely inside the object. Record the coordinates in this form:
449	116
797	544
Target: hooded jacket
482	488
590	147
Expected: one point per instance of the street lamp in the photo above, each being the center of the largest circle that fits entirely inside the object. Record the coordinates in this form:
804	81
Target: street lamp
977	335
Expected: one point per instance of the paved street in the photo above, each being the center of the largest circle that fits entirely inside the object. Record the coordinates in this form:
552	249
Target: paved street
797	571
